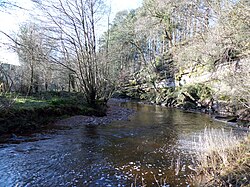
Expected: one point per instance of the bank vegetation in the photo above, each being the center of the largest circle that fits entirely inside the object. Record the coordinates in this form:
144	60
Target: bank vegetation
222	159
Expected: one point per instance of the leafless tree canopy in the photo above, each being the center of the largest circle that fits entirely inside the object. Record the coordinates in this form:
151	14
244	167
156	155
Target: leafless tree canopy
72	25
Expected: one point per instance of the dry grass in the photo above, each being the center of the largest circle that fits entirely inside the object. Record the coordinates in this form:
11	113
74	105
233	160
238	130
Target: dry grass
222	159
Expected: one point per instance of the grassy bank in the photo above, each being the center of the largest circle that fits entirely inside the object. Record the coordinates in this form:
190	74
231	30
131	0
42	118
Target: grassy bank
22	114
222	160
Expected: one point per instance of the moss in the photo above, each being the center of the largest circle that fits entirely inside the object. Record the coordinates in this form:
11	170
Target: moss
199	91
132	82
224	98
144	96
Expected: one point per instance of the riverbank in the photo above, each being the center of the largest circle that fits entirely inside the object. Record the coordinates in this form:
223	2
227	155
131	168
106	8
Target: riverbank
197	98
114	113
232	121
18	124
24	115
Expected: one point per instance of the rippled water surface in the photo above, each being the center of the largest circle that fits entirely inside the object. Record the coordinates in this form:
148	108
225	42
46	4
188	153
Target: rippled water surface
155	145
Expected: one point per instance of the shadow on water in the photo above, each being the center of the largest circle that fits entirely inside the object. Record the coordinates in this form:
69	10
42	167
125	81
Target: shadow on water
91	132
155	144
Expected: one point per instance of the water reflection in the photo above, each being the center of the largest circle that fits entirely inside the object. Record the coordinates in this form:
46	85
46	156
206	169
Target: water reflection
153	145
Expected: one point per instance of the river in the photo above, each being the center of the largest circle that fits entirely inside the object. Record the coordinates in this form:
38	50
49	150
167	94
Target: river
155	145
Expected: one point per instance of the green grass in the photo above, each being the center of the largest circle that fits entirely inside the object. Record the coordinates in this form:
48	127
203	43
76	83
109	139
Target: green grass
44	99
21	114
27	103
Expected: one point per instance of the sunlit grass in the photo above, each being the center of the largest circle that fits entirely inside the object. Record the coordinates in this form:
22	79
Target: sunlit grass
16	101
41	100
223	159
28	102
22	102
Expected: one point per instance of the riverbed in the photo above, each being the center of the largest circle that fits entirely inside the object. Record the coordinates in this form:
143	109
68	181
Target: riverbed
153	146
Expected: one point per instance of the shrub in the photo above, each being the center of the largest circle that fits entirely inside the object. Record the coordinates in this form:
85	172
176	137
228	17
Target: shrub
199	91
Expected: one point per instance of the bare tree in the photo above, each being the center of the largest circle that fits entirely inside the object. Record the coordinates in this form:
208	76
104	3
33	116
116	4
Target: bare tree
73	25
34	50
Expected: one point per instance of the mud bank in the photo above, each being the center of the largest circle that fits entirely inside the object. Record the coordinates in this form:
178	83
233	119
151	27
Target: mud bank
114	113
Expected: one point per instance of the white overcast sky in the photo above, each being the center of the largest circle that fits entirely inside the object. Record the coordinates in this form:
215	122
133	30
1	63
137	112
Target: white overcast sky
10	19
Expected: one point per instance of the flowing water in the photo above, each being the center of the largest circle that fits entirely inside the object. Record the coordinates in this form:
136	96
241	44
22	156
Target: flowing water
154	146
